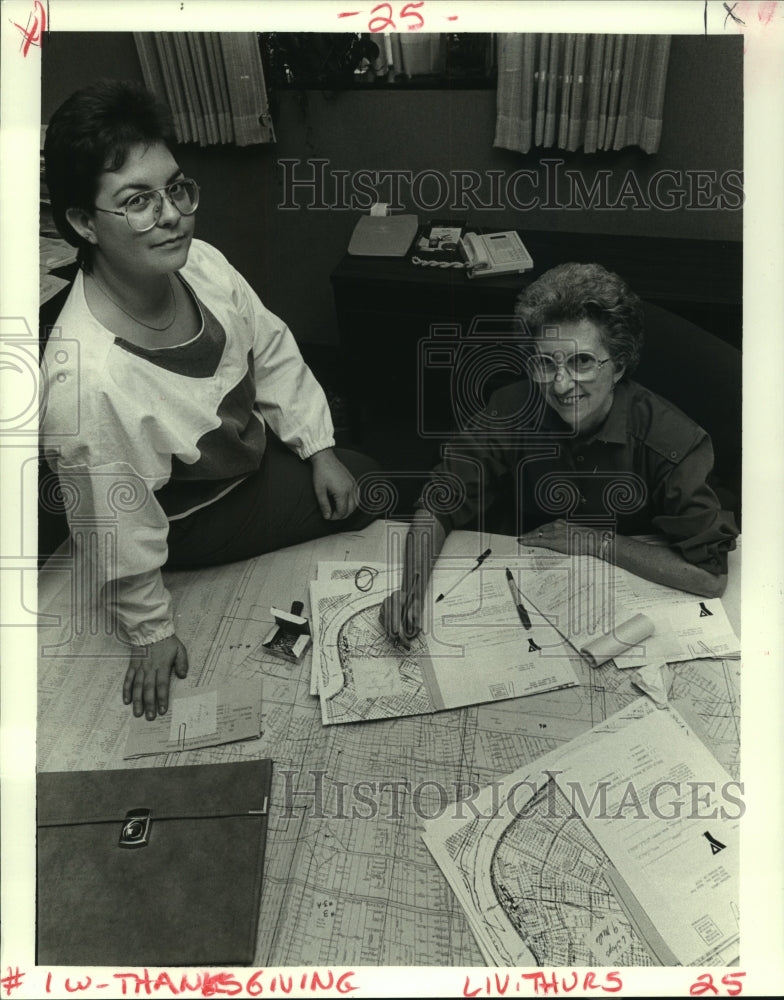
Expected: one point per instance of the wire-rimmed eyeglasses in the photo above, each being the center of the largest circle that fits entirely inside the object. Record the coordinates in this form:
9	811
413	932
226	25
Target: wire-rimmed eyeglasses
582	366
143	209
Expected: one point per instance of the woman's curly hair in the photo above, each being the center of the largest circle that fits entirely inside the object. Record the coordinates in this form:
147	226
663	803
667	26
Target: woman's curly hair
569	293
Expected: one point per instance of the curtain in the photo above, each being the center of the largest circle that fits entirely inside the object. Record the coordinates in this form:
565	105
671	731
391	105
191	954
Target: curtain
212	81
414	54
595	91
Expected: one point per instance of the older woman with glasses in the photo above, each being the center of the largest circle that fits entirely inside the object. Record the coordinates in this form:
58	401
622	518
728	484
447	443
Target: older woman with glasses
586	456
202	436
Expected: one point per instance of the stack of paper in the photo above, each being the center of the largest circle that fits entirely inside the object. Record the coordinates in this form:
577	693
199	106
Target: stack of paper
199	717
670	854
472	648
592	604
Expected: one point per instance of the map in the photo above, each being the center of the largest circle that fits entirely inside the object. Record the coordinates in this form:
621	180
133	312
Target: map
539	889
348	878
549	876
475	649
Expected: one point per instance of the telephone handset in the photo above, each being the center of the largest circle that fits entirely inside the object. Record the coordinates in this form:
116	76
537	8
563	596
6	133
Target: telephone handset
498	253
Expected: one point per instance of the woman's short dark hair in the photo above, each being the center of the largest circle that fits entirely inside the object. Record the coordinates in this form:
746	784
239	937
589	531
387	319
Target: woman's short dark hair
92	132
573	292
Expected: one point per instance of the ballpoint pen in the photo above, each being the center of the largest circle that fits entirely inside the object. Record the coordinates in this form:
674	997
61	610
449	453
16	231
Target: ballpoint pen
477	564
521	609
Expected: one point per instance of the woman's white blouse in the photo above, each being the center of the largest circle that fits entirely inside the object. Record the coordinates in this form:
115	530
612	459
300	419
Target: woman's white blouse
114	422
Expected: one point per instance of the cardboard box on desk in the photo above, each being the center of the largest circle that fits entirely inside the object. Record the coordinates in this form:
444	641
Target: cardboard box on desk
152	866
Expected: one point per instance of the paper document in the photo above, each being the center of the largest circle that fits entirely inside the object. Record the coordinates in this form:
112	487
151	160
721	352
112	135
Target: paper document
473	647
54	252
362	574
592	604
581	597
199	717
637	801
701	629
676	844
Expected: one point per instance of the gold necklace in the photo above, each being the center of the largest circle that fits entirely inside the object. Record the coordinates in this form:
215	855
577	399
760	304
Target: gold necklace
149	326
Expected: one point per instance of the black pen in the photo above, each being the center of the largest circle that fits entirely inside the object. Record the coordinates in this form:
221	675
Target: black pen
477	564
518	604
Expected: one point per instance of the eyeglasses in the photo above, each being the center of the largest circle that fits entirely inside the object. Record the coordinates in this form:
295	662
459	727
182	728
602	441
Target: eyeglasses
142	210
581	366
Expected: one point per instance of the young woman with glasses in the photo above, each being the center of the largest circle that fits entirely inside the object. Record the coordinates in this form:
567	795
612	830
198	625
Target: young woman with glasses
202	437
587	456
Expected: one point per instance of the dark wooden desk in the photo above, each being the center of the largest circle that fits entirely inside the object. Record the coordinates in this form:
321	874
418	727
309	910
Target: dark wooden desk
701	280
387	310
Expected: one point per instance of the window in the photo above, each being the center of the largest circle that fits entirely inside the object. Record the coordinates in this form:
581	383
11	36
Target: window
412	60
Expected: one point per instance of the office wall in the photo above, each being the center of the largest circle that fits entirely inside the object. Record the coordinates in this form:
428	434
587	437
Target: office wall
289	254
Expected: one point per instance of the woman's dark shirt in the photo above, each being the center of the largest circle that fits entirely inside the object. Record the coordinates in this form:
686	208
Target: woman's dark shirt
644	470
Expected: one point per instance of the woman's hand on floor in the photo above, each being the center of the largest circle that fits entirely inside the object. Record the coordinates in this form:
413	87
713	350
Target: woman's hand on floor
148	676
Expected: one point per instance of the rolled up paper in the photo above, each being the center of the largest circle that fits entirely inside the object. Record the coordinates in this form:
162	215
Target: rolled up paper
613	644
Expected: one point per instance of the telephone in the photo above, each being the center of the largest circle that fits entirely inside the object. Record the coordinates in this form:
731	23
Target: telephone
497	253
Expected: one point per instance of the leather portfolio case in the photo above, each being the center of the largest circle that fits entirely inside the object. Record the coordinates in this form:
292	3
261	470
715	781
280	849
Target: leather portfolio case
151	866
